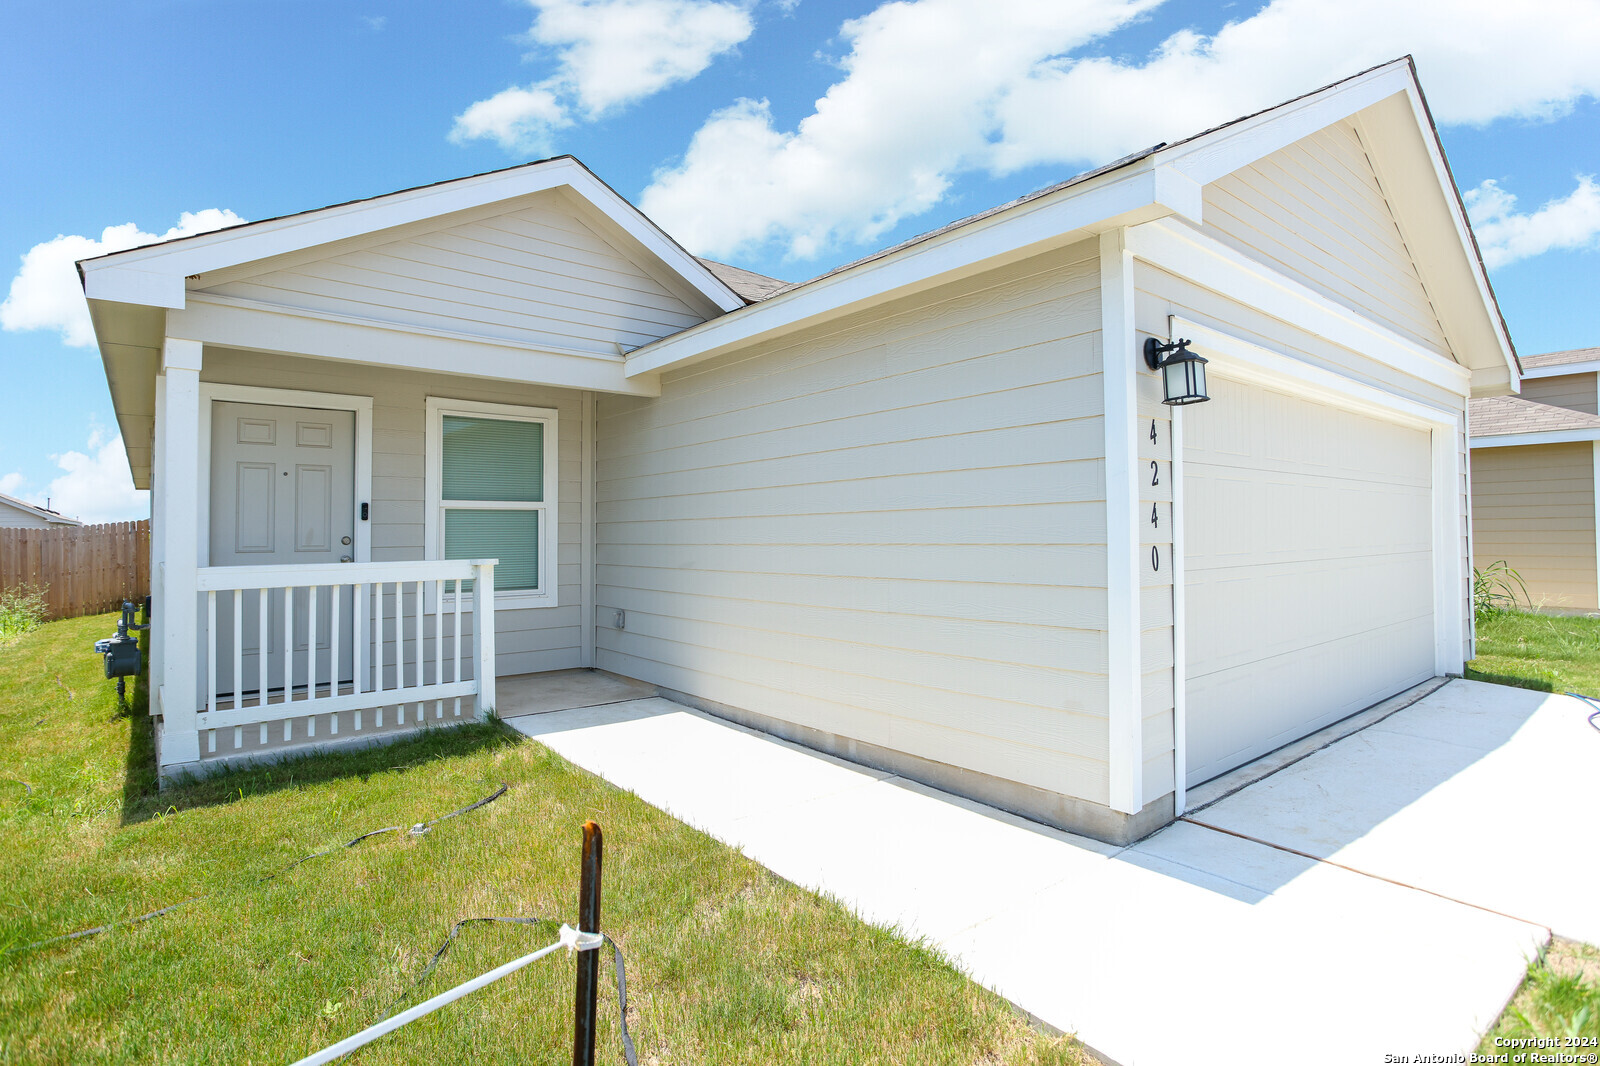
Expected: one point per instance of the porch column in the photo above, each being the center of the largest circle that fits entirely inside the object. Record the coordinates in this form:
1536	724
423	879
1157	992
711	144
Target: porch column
180	490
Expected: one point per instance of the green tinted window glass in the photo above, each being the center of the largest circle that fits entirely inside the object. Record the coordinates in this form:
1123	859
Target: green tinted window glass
493	459
510	536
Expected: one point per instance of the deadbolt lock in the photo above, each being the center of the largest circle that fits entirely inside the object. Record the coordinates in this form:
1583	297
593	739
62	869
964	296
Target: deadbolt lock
344	540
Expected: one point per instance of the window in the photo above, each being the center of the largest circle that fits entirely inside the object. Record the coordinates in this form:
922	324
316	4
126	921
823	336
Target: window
491	487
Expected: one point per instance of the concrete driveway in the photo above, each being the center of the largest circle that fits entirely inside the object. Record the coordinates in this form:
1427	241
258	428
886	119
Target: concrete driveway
1380	896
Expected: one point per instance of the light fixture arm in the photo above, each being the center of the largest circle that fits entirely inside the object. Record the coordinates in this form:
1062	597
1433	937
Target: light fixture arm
1154	350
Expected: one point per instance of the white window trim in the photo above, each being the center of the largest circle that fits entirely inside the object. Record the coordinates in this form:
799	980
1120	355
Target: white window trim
433	507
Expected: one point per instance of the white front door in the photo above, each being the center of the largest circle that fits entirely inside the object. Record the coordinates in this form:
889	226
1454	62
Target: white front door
282	493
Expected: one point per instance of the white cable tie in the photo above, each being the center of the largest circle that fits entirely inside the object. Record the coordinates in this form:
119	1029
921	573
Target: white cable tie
577	940
420	828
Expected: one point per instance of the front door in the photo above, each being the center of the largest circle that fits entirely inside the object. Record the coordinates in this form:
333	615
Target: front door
282	493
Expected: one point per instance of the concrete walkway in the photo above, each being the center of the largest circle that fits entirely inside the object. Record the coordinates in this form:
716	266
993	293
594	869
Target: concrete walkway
1456	832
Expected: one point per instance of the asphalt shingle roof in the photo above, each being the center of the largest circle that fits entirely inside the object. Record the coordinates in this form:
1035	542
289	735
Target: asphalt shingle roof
746	284
1493	416
1576	355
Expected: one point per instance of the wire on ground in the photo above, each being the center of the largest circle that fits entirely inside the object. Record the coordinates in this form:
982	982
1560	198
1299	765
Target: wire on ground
416	830
1592	703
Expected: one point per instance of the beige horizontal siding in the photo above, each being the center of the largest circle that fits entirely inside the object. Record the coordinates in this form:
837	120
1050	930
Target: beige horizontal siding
527	640
534	275
1575	391
1315	211
1533	507
890	529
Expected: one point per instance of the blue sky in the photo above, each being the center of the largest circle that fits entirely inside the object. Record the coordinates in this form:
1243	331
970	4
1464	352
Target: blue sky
783	135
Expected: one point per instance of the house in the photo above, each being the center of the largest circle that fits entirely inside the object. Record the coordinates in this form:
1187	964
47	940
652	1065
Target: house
1534	479
17	513
928	511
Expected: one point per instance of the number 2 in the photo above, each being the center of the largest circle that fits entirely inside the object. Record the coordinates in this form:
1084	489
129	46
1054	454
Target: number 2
1155	472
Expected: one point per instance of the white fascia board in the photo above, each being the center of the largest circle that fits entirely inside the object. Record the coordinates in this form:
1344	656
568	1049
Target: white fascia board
1563	369
156	275
288	332
1463	228
1135	193
1188	253
1548	436
1223	151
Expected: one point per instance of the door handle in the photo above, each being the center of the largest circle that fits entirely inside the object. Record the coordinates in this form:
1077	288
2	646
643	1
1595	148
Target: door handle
346	559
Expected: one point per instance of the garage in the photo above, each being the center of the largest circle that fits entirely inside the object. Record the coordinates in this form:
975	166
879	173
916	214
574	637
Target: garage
1309	591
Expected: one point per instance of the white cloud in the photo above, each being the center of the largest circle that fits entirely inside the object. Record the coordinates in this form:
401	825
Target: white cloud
93	487
1505	236
933	88
611	53
916	107
46	294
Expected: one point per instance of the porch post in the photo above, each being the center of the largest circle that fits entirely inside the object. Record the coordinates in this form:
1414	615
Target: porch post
179	476
157	646
483	634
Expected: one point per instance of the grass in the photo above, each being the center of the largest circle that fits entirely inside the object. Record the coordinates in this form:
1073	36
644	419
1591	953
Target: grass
726	963
1560	1000
1552	653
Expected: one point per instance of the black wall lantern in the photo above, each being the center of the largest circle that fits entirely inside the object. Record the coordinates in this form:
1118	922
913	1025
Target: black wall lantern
1183	373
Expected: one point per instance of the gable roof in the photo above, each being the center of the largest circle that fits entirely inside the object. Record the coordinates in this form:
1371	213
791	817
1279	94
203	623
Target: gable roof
1496	416
1166	180
154	275
55	518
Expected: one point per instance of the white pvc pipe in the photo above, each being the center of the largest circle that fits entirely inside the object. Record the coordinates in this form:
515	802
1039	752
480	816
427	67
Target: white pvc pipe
389	1025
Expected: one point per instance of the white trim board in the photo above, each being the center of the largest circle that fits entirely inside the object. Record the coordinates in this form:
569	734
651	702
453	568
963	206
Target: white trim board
156	275
1123	522
547	594
211	392
1245	360
1548	436
1188	253
251	326
1180	625
1561	370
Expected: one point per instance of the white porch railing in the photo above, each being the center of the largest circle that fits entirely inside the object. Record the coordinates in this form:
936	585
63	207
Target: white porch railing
376	648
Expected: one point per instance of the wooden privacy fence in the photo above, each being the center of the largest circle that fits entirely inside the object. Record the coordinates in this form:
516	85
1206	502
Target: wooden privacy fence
83	569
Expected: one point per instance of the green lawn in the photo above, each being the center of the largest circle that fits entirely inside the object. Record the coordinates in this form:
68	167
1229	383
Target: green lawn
1552	653
1548	652
727	964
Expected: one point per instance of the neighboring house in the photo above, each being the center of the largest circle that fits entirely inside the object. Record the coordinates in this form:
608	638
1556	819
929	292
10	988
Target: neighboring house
15	513
927	511
1535	467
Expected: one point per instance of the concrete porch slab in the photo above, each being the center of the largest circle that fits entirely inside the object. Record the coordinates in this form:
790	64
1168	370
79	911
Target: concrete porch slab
1191	947
560	690
1478	792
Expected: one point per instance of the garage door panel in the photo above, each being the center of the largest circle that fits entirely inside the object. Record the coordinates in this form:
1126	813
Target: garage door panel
1285	606
1356	672
1308	558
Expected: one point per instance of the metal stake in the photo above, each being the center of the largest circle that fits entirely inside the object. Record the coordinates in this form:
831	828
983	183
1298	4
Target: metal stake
588	961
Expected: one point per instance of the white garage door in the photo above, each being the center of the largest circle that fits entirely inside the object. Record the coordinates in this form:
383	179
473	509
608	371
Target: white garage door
1308	553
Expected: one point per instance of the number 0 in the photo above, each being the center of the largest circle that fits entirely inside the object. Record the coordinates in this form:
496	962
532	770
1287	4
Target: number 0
1155	557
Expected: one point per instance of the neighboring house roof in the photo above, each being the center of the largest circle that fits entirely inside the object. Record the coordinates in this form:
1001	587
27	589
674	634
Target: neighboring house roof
750	286
13	505
1552	364
1510	420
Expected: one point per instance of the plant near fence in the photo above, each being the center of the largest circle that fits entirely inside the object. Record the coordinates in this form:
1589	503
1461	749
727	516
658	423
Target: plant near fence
22	609
1496	588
